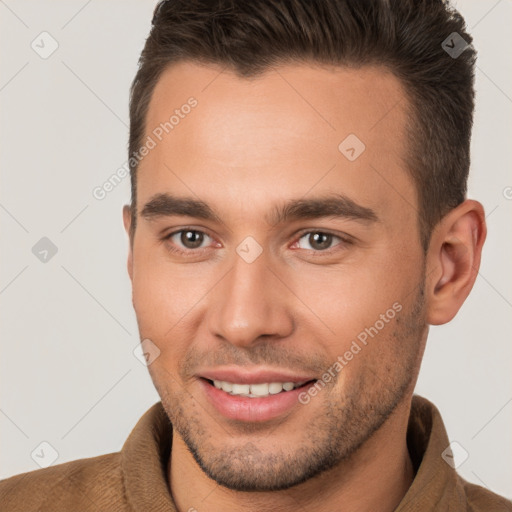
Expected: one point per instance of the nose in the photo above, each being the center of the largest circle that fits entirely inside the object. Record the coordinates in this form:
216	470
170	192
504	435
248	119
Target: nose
249	304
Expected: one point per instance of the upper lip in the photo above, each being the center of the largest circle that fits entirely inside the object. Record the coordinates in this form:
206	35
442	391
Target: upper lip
260	376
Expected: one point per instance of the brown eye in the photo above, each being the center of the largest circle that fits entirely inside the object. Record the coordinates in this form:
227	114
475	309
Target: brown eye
317	240
191	239
186	240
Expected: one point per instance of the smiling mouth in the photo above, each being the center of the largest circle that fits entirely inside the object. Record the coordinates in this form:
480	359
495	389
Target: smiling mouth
261	390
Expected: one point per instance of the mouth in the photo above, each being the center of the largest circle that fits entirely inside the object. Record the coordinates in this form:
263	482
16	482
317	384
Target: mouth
255	402
260	390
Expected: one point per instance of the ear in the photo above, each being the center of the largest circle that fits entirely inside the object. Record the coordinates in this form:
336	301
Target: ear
453	260
127	221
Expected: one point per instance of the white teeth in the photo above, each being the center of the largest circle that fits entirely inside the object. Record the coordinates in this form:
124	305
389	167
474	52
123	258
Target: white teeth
240	389
256	390
275	387
259	389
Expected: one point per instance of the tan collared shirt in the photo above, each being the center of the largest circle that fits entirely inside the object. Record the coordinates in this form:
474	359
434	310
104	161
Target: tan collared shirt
134	479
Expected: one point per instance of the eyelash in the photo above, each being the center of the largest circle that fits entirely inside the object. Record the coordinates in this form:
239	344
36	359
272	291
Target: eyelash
189	252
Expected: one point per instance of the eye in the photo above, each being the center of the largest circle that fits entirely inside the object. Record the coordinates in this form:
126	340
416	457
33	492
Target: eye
187	239
318	241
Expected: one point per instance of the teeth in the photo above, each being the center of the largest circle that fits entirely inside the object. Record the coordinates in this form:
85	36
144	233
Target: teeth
256	390
275	387
240	389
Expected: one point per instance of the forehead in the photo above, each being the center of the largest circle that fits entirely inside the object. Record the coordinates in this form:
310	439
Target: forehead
282	134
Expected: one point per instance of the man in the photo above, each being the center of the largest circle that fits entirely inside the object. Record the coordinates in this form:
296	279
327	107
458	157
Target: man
298	220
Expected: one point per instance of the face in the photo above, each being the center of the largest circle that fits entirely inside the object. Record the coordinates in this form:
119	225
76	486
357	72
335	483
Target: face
268	241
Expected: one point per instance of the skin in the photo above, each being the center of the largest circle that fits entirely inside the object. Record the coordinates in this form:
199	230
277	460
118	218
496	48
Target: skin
250	145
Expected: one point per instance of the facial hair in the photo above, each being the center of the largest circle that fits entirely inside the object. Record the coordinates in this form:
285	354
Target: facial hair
346	420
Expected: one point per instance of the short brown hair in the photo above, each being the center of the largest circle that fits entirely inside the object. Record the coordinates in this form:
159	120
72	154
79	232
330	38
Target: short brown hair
405	36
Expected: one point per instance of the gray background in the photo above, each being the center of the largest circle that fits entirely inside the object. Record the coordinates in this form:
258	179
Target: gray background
68	373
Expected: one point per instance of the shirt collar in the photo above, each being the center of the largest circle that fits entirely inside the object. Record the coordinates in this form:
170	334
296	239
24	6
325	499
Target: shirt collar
436	485
144	459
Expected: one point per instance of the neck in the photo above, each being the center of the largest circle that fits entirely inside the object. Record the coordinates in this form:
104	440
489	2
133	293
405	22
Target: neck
375	477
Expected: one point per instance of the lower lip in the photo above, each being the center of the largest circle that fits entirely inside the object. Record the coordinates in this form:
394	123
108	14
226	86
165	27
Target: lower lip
243	408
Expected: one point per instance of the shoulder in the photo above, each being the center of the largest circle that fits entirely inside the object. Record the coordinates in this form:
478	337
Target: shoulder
480	499
87	484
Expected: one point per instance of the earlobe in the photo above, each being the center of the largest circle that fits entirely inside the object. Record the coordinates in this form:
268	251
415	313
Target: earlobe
127	219
454	260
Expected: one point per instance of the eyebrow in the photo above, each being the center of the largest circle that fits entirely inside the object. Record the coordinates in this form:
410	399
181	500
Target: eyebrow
331	205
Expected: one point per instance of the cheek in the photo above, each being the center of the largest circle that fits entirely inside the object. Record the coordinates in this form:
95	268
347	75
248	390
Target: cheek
161	309
353	294
360	304
152	292
165	295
